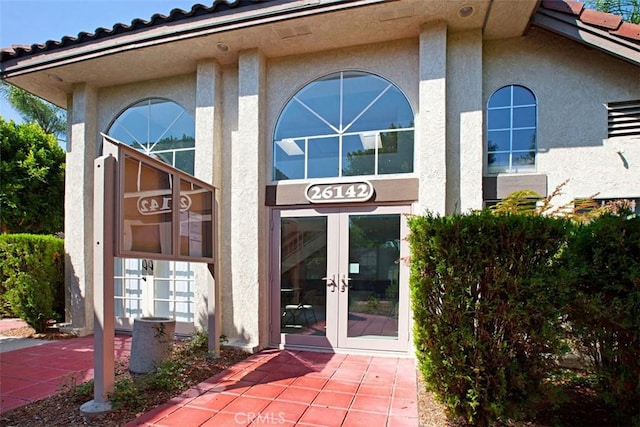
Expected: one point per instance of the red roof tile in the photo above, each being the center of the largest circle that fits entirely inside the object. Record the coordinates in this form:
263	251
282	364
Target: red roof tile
601	19
628	31
609	22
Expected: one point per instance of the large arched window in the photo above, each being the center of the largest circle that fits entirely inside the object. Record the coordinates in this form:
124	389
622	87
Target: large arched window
512	121
160	128
348	123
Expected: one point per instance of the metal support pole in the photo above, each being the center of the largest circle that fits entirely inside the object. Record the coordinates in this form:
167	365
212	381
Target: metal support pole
103	285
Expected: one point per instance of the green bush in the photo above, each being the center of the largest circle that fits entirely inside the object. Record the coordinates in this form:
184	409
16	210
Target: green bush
487	311
603	266
32	275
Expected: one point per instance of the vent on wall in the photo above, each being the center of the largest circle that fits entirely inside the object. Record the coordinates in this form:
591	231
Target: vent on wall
623	118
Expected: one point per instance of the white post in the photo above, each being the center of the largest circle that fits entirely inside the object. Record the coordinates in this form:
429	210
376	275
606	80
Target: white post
103	285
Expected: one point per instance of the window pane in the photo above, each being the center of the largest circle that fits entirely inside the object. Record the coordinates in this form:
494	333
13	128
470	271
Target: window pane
117	266
118	307
358	155
296	121
501	98
396	153
323	97
499	140
118	289
359	90
183	291
524	160
523	96
524	117
498	163
185	161
323	157
524	139
499	119
161	289
391	111
162	309
184	312
288	159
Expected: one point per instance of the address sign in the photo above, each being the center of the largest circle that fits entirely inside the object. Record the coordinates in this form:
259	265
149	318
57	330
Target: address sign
343	192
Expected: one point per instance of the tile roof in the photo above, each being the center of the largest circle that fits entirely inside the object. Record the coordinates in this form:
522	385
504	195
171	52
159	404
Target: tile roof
175	15
613	24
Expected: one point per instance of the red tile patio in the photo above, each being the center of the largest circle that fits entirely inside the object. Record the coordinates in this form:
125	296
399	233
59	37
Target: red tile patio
298	388
283	387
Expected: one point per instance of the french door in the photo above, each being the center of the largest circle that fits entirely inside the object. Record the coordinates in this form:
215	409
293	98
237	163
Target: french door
339	280
151	288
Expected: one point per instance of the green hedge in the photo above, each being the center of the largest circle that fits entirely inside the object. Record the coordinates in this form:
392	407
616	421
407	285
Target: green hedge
487	310
32	276
603	268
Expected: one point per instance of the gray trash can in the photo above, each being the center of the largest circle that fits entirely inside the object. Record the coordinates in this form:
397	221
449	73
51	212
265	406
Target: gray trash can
151	343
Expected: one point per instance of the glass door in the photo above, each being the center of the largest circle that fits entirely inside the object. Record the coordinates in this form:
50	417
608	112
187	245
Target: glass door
340	282
373	288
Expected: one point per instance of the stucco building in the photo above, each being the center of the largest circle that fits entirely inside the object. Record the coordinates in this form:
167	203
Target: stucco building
322	123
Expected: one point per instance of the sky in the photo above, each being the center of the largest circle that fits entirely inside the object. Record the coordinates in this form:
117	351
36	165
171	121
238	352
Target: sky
36	21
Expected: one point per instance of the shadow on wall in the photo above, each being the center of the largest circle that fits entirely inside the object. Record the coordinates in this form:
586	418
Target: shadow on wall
75	300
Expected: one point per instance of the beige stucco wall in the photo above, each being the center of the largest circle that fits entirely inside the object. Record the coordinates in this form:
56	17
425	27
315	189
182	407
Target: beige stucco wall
447	77
572	84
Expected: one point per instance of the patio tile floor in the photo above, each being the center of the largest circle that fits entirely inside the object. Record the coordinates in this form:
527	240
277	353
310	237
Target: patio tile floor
282	387
301	389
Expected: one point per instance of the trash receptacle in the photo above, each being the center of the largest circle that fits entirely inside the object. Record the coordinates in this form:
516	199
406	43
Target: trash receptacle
151	343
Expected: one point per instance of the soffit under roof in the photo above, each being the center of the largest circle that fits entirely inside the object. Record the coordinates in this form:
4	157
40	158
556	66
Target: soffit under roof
173	45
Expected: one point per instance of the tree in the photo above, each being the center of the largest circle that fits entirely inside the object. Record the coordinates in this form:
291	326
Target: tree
50	118
32	180
628	9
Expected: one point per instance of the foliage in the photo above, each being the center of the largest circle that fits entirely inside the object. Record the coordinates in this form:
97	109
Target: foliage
628	9
50	118
487	312
32	185
32	275
603	267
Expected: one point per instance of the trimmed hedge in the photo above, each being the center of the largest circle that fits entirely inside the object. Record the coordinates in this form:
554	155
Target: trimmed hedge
487	310
603	268
32	276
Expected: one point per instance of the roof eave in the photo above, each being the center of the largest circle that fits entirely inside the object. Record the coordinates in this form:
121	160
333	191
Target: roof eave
270	13
574	29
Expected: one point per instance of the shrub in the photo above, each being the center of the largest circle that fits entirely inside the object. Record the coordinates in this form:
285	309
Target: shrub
32	273
487	311
603	266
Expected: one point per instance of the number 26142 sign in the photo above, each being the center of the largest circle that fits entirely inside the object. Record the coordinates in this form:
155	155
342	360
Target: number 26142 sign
344	192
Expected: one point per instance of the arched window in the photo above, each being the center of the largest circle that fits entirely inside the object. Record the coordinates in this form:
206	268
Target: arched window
512	122
160	128
348	123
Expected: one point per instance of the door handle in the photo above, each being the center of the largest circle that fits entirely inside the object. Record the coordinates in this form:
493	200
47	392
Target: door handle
345	283
331	283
